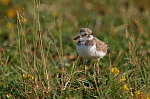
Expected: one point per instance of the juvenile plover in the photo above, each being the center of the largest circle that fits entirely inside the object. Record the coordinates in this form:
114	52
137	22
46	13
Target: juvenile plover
90	47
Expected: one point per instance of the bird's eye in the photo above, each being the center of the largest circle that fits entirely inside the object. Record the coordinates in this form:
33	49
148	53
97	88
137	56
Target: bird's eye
85	34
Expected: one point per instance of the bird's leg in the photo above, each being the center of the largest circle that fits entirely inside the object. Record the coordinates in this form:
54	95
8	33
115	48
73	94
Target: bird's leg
85	67
97	67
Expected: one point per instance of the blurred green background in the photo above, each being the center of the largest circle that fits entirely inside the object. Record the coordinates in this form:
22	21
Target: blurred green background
111	21
107	18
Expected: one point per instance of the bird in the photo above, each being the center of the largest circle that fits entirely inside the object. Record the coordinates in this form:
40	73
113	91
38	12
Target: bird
90	47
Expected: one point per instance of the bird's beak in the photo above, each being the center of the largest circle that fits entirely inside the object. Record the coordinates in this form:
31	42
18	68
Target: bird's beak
76	37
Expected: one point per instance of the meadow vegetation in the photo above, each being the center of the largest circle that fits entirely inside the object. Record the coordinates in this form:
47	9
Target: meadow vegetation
38	58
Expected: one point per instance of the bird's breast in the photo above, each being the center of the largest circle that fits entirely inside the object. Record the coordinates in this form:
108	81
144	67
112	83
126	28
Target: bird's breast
86	51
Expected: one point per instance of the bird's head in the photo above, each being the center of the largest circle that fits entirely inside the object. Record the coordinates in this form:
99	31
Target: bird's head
84	34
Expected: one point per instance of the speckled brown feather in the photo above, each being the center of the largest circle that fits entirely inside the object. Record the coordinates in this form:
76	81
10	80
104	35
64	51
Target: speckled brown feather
100	45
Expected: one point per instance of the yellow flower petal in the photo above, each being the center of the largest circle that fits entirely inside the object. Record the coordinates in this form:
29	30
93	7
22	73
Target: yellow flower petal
23	20
8	95
125	87
31	77
86	67
122	78
10	25
115	71
11	13
147	98
131	94
137	92
27	77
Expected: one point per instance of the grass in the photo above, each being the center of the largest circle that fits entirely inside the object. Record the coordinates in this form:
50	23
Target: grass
38	58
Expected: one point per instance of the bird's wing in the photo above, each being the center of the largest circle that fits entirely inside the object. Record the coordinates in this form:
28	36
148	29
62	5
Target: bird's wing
100	45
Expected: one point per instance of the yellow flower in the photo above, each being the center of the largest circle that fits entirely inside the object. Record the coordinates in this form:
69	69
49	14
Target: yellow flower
131	94
10	25
147	97
138	92
142	95
86	67
5	2
23	20
125	87
122	78
28	77
25	76
11	13
8	95
115	71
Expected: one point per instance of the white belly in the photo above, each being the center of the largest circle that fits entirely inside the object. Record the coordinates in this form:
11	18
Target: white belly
88	52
